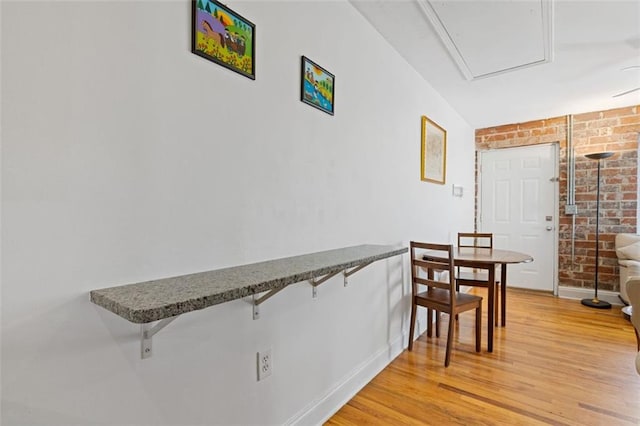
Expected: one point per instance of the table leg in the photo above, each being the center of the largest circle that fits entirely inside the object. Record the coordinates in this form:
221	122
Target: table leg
503	291
497	305
491	296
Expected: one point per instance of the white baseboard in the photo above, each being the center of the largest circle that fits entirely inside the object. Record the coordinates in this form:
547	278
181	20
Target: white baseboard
586	293
320	410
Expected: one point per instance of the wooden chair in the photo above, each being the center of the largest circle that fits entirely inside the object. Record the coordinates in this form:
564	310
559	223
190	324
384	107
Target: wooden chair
633	292
470	276
439	296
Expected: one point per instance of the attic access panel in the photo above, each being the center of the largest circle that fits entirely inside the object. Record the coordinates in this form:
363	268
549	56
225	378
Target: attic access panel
485	38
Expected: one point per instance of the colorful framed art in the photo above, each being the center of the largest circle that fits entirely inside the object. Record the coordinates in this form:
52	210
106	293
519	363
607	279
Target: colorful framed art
222	36
317	86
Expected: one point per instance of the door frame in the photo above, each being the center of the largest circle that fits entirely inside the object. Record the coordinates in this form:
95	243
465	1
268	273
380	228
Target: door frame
556	199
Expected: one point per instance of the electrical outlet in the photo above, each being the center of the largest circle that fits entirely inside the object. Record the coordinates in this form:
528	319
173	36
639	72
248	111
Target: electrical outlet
265	364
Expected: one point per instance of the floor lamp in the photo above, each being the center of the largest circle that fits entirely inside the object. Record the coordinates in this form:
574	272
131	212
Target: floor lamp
595	302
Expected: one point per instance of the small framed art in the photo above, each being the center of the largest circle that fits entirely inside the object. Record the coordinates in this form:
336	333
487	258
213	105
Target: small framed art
317	86
222	36
433	163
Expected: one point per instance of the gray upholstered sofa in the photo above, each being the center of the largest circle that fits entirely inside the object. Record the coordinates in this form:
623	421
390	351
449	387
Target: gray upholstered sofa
628	252
633	287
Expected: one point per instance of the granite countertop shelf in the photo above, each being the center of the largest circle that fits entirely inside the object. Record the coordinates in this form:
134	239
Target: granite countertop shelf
164	299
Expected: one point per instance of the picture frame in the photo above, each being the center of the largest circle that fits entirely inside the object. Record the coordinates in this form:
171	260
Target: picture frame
221	35
317	86
433	158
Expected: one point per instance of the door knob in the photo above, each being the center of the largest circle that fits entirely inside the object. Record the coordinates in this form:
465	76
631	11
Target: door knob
549	228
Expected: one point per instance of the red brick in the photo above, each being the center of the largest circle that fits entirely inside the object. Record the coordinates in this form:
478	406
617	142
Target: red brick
609	171
613	179
621	112
560	121
601	140
604	123
629	128
544	131
632	119
589	116
531	125
588	149
497	129
495	137
485	131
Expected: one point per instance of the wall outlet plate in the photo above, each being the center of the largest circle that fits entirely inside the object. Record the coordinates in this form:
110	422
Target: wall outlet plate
265	364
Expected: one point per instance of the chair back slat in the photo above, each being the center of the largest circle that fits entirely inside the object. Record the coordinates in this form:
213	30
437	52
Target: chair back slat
475	239
439	260
432	263
431	283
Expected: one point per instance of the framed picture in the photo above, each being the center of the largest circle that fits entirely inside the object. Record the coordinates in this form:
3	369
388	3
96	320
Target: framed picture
222	36
317	86
434	152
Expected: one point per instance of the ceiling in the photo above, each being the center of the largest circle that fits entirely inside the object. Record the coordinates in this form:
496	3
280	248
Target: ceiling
510	61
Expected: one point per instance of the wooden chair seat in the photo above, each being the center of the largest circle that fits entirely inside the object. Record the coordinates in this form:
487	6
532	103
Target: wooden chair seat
438	296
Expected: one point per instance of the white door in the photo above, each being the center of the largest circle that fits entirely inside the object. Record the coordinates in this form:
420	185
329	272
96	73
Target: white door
518	203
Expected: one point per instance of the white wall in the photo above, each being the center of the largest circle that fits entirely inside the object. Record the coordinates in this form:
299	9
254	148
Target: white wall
126	158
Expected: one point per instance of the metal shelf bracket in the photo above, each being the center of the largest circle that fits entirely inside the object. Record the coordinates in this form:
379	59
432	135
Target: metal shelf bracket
315	283
347	274
258	300
146	335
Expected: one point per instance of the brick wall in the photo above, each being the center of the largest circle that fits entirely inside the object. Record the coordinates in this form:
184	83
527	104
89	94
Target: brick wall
614	130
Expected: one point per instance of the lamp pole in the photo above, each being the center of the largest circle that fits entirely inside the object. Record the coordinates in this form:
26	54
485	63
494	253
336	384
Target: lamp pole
595	302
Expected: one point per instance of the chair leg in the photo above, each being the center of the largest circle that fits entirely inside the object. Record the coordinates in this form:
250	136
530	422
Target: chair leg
637	338
437	314
447	357
414	307
478	327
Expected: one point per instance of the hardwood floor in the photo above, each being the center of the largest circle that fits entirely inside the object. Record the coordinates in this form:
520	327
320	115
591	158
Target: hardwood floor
556	362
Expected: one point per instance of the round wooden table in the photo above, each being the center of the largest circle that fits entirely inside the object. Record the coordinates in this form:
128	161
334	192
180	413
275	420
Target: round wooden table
488	259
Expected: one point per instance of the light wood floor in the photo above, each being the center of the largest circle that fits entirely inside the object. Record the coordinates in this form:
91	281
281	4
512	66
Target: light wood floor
556	362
